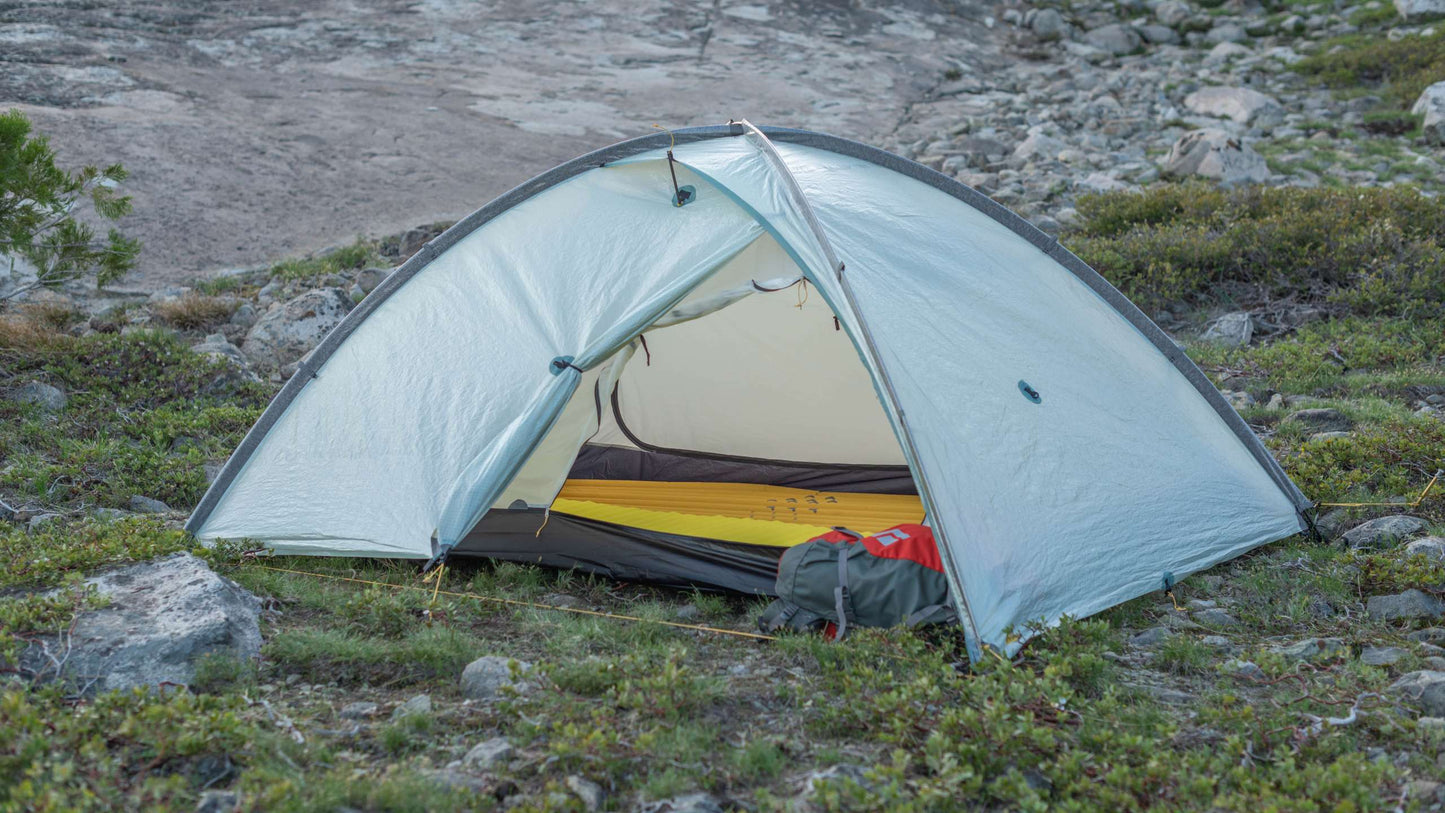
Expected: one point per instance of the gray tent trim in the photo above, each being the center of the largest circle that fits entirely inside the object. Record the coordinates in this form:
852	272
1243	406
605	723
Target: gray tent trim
626	149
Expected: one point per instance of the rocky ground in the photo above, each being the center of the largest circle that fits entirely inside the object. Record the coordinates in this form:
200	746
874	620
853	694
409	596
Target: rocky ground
1300	260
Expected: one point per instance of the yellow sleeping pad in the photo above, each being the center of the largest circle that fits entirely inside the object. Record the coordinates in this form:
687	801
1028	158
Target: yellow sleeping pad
734	512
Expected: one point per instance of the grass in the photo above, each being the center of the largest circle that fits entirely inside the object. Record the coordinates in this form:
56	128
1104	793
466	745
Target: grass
1401	69
1080	720
360	254
195	311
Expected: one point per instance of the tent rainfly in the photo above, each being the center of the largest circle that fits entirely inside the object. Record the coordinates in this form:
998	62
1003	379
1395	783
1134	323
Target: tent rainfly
671	358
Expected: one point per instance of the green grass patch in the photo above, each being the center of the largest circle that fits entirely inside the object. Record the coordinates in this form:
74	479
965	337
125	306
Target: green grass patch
1402	68
1369	251
357	255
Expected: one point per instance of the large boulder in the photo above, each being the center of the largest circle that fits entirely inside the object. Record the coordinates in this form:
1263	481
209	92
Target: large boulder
1431	105
1424	689
1402	606
1380	532
1116	38
1216	154
1415	10
1172	12
159	619
1241	105
288	331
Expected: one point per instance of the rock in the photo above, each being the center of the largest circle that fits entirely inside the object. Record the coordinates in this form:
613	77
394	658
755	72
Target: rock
413	240
1415	10
691	803
168	294
1151	637
1172	12
1215	618
1216	154
1425	689
490	678
1226	32
161	617
417	704
109	514
485	756
368	278
1231	330
1241	105
1239	399
589	792
218	801
687	613
564	601
287	332
1383	531
1431	547
1323	420
1037	146
39	521
1382	655
1244	669
814	781
1313	648
451	778
218	346
1431	723
1117	39
1409	604
1323	437
48	398
1431	104
1048	25
1426	790
360	710
1430	635
146	505
1164	694
1158	34
244	315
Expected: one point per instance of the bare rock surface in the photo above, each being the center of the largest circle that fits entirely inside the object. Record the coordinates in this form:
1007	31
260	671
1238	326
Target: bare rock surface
260	129
288	331
160	618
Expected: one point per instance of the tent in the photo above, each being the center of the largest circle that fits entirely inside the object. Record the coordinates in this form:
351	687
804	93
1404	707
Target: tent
673	357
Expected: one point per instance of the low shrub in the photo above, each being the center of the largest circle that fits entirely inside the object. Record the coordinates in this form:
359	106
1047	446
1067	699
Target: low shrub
1371	251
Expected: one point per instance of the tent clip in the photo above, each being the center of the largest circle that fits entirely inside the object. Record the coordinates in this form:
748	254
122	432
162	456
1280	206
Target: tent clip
561	363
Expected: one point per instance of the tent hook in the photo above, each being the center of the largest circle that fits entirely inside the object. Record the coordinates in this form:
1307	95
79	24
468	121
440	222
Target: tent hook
681	195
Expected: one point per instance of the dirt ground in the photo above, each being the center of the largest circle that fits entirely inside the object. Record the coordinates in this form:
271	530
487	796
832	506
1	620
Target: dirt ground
257	129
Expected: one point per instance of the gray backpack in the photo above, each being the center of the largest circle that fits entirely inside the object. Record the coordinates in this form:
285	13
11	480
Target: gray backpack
843	579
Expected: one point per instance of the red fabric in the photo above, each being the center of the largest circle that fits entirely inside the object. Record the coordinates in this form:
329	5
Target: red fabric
912	542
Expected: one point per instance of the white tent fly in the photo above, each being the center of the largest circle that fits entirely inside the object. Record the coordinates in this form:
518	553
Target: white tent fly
675	356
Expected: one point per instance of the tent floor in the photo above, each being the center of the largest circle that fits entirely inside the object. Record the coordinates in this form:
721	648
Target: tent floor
723	535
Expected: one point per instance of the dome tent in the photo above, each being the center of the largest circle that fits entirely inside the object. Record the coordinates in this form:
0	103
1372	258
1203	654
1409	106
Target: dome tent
674	356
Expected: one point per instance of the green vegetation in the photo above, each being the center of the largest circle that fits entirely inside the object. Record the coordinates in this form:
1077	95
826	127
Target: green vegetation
37	212
1402	68
1367	251
1080	720
360	254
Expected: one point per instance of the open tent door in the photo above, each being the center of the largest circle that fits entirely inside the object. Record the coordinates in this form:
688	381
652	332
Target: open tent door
740	423
1066	453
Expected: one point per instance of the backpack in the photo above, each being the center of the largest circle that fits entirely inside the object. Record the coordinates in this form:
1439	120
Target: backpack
844	579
